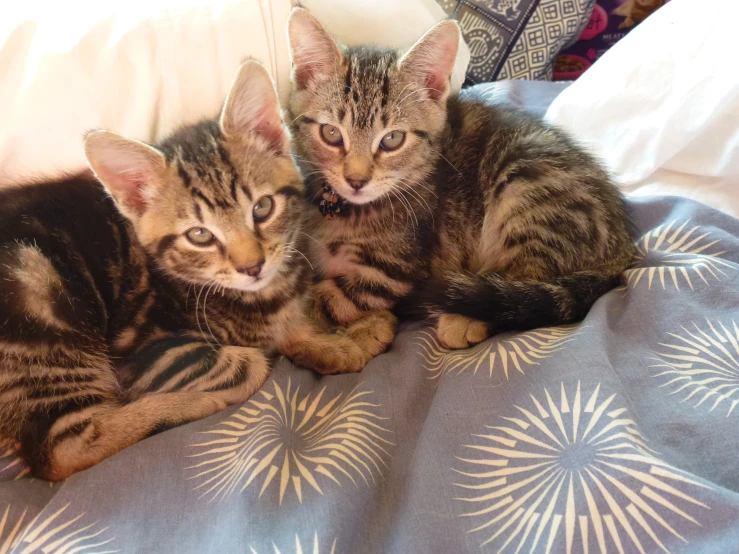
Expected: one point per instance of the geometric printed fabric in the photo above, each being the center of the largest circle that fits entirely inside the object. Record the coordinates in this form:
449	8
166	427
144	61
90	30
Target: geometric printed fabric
517	39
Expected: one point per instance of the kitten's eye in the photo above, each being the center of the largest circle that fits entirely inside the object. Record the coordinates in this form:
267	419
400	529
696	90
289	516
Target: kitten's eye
263	208
331	135
200	236
393	140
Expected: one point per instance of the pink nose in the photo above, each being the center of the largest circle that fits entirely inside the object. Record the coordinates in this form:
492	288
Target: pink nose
357	184
252	270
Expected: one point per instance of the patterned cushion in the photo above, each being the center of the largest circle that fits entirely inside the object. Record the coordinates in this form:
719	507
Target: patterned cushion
517	39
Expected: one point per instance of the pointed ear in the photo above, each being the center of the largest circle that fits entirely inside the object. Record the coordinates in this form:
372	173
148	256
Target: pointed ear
431	60
252	107
131	170
313	50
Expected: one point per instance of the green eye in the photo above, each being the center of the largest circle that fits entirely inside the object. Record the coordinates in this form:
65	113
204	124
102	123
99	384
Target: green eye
200	236
393	140
263	208
331	135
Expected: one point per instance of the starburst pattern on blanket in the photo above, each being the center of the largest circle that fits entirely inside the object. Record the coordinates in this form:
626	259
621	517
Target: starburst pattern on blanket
575	463
11	465
53	534
299	547
670	255
508	355
283	437
702	366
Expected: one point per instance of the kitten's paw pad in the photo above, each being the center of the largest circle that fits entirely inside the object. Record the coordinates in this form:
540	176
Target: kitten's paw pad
375	332
212	404
351	362
255	365
201	405
477	332
248	370
457	332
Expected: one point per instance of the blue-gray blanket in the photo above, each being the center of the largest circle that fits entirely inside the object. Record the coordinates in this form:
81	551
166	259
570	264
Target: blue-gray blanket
618	434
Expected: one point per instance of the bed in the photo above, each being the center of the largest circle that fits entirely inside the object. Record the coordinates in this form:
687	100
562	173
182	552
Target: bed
617	434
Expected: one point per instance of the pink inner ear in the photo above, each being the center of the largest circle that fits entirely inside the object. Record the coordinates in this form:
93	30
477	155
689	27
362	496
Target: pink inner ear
433	65
129	188
271	130
437	85
314	59
303	75
438	81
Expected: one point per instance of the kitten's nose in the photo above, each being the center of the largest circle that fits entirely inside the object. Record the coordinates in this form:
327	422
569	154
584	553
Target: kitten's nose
252	270
357	184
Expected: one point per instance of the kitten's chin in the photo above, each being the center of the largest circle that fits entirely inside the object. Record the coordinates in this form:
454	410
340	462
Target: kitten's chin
361	196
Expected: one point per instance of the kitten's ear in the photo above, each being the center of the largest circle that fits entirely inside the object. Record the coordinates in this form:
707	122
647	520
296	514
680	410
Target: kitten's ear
252	107
430	61
313	50
131	170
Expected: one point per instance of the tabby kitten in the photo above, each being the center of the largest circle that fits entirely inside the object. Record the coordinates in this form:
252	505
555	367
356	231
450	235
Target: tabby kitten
484	217
154	303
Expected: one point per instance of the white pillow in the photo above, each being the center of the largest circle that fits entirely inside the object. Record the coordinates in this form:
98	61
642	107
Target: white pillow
662	106
143	67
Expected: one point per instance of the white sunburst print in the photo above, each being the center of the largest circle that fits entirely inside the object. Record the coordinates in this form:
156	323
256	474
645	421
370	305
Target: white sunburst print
677	256
310	548
11	465
506	355
571	469
702	365
59	533
283	440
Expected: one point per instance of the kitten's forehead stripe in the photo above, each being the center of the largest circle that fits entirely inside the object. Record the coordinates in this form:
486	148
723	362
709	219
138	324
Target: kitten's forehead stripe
385	88
348	78
201	157
367	72
197	194
227	162
184	176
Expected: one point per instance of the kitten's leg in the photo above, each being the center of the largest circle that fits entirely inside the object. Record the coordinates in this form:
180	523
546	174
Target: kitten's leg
111	427
347	298
456	332
342	351
334	305
80	438
186	363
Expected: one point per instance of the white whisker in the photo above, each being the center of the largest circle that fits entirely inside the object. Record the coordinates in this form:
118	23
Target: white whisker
314	240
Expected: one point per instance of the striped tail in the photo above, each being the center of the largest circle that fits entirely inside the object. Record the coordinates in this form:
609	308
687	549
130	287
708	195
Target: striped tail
518	305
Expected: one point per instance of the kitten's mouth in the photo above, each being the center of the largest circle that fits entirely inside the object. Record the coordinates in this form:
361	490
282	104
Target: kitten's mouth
254	284
336	204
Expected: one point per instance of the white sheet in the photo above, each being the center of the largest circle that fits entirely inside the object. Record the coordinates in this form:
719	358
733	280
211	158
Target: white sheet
143	67
662	106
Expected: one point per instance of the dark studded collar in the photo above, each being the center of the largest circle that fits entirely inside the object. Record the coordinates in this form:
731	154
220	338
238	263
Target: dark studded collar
331	203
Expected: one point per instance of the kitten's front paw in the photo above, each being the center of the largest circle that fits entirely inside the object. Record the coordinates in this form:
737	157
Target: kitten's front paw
375	332
200	405
367	338
347	350
457	332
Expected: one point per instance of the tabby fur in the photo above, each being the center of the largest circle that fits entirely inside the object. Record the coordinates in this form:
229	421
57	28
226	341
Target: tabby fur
116	326
484	217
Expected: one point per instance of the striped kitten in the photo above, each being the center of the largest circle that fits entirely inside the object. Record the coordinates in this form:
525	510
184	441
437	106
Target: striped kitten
485	217
128	311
